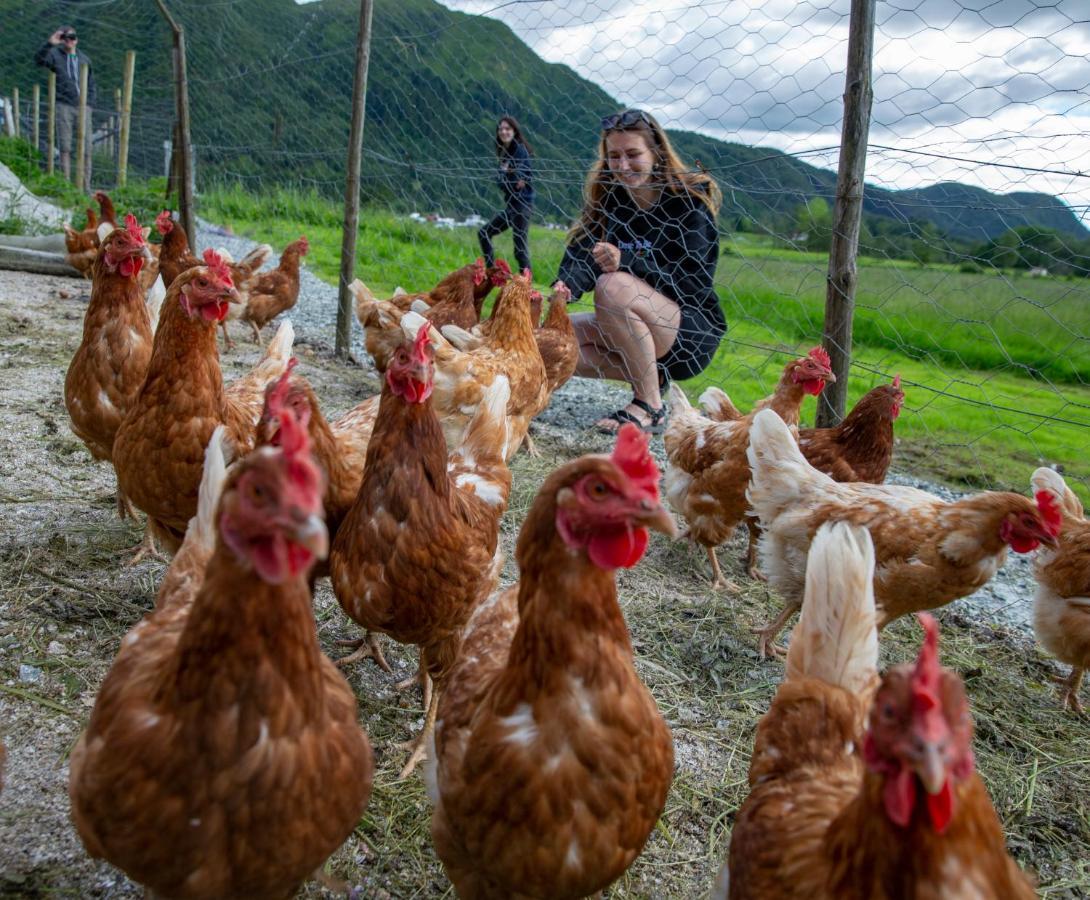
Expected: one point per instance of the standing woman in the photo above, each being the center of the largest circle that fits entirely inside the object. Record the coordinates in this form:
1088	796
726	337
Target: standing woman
516	181
647	244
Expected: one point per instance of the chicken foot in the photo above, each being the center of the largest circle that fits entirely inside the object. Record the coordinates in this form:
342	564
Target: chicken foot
769	632
146	547
420	745
718	581
426	686
365	646
1069	693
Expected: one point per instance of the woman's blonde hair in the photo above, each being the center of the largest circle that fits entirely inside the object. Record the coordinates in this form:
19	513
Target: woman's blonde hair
670	172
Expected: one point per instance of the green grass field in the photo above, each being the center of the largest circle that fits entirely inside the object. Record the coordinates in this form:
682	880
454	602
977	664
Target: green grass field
995	365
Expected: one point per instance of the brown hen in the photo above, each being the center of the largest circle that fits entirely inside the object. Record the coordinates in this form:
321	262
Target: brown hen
223	757
863	789
552	761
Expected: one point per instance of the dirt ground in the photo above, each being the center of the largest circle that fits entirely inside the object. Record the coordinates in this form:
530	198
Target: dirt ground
66	601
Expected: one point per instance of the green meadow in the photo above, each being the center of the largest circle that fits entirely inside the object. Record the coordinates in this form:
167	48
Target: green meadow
995	364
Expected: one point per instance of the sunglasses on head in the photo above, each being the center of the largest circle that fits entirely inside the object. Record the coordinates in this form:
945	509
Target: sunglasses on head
625	119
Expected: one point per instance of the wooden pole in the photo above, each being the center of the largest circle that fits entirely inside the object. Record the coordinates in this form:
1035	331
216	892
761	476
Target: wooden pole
181	113
126	117
848	211
352	182
36	104
15	104
115	129
51	125
81	130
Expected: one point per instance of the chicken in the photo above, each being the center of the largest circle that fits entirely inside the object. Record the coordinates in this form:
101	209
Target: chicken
860	788
860	448
1061	607
82	246
106	208
223	757
474	278
557	343
109	366
552	761
418	547
275	291
340	447
174	253
160	444
462	377
458	304
707	473
930	551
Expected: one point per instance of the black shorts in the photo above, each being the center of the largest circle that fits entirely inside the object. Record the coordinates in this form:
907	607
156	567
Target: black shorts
693	349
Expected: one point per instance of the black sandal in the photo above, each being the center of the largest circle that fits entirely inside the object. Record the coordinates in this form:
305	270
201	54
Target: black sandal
657	425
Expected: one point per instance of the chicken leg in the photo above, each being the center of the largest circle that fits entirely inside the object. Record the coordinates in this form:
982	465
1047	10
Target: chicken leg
751	551
769	632
1069	695
718	581
146	547
420	745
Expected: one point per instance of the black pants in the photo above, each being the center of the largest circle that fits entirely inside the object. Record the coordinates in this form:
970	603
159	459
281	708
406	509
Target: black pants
516	216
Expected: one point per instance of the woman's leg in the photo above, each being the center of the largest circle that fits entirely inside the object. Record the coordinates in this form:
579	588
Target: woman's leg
497	224
519	216
631	327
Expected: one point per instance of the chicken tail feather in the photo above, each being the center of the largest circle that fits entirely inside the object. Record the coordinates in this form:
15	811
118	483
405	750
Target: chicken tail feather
717	405
780	474
154	301
256	258
202	527
836	640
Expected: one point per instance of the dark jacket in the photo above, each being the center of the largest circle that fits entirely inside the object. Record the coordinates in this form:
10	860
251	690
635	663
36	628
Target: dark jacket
673	246
54	57
514	166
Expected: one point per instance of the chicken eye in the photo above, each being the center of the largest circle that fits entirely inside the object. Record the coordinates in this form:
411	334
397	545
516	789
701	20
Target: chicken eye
598	490
888	712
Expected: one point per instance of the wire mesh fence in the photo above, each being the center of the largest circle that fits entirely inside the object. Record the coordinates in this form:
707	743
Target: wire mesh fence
974	251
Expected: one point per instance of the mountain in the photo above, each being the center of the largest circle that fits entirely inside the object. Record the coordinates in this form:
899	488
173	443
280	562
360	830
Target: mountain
270	91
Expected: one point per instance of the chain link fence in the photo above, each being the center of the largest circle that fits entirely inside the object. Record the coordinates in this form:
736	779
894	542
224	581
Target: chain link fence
974	252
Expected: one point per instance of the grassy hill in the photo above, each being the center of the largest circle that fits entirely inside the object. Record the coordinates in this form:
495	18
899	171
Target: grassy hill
270	95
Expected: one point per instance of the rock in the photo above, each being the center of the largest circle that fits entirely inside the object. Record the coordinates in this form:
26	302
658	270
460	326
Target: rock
29	674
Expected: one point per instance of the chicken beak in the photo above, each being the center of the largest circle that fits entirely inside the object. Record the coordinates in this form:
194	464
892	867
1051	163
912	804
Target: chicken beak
1048	540
146	254
312	534
654	516
830	378
231	295
931	768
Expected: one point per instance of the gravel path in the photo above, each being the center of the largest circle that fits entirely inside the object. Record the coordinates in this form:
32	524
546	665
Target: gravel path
1007	600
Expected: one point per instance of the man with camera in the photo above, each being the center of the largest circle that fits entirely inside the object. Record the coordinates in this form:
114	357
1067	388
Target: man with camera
60	54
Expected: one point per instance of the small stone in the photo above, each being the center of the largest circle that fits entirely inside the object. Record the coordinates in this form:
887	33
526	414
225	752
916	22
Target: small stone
29	674
64	295
56	648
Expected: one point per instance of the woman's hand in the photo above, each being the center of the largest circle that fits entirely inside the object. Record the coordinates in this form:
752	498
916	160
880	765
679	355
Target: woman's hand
607	256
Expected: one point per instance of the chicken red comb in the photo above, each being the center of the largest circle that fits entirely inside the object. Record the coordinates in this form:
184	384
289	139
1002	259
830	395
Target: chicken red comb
218	267
897	381
164	222
926	706
133	228
503	265
423	339
1050	511
632	457
479	272
276	397
304	245
821	355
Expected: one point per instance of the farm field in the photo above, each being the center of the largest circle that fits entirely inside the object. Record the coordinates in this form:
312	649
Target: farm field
66	601
996	365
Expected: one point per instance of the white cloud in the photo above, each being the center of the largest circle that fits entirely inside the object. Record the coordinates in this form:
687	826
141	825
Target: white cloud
1001	81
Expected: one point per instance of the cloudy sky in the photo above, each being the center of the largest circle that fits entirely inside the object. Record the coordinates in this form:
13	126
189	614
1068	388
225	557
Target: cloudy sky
988	81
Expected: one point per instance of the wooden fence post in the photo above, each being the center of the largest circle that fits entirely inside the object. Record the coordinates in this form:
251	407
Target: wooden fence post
352	182
15	104
51	126
81	130
126	116
115	128
848	212
181	106
36	103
